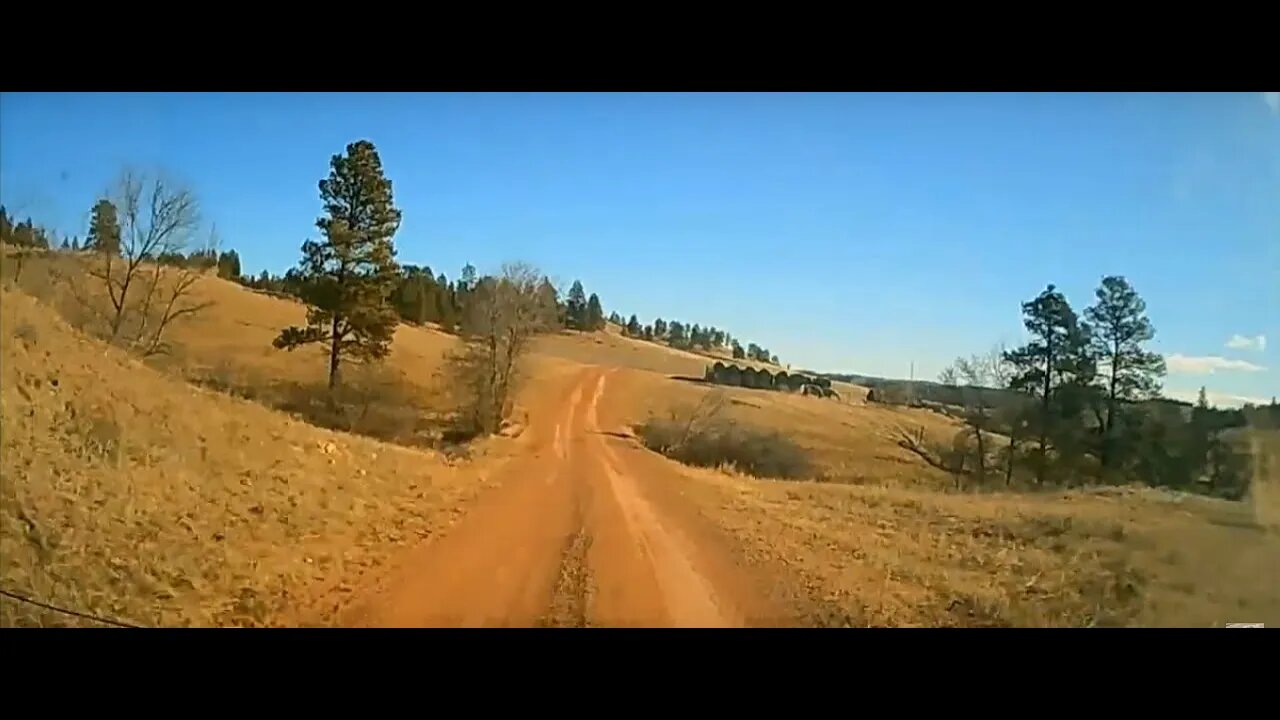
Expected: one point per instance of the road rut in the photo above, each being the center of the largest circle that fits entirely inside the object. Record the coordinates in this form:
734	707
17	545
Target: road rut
578	531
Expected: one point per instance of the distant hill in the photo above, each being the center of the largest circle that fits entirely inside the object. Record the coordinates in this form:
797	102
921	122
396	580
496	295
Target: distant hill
899	390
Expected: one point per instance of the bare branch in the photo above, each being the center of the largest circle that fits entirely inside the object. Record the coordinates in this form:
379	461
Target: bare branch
151	218
502	316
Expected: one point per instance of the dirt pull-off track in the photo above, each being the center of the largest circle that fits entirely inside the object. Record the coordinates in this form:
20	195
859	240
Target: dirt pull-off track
585	528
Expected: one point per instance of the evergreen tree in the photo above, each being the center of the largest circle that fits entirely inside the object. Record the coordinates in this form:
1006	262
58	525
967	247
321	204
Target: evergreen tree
738	352
576	307
550	299
467	280
27	234
595	314
463	288
676	334
660	328
229	265
350	274
648	333
104	229
1130	373
615	318
634	329
415	298
1051	367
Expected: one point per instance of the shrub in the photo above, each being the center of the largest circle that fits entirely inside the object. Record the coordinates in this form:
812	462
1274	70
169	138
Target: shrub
372	401
697	437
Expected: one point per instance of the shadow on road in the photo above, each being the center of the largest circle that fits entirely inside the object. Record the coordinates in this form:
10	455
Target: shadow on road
688	378
619	435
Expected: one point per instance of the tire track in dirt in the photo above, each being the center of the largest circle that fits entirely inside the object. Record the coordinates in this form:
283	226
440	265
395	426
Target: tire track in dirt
569	537
695	552
643	573
500	565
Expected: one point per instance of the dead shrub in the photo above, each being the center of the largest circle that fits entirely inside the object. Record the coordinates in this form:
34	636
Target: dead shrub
698	435
224	377
373	400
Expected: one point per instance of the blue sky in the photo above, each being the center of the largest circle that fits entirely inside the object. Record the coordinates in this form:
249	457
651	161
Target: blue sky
844	232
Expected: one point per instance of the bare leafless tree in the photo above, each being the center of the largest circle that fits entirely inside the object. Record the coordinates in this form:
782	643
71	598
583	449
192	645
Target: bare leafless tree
1000	372
974	377
947	460
502	316
156	219
707	411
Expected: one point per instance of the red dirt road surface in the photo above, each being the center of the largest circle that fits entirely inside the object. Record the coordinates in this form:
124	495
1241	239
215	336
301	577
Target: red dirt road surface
585	528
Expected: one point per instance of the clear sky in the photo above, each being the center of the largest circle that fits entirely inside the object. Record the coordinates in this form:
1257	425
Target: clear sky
844	232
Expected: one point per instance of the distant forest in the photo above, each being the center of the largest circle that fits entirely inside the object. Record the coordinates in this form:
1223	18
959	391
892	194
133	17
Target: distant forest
420	295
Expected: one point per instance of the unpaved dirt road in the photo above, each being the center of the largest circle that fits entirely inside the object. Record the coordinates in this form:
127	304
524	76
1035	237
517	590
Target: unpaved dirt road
585	528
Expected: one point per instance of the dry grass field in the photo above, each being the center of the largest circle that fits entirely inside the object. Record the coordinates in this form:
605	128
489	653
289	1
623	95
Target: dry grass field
884	541
175	492
133	495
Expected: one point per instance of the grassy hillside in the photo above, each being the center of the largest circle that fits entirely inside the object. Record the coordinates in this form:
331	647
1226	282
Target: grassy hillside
136	496
176	491
894	556
882	539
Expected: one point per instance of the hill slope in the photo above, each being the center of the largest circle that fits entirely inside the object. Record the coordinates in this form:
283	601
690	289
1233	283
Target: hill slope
133	495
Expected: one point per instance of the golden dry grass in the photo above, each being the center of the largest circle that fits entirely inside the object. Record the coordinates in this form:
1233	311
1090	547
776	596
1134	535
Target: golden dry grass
1264	492
849	442
130	493
136	496
235	337
884	556
887	542
612	349
228	345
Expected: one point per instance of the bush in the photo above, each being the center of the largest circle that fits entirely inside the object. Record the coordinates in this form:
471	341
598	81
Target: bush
720	443
371	400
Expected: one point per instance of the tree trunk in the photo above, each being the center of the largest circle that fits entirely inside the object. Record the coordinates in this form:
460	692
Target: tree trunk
1105	454
982	455
334	344
1008	464
1042	464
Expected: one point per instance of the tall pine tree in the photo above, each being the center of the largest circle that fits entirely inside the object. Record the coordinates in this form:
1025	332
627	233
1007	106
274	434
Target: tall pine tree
1129	372
1050	367
595	313
104	229
549	297
576	307
348	276
676	334
634	329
